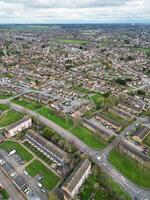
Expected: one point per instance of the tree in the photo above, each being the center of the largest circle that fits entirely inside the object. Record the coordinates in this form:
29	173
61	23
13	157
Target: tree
48	133
121	81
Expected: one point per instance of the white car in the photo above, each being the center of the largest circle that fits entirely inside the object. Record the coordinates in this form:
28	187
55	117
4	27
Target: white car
25	173
39	185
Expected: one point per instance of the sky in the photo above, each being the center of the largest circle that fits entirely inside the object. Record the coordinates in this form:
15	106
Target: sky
74	11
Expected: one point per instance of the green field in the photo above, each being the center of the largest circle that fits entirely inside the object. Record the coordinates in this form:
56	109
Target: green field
101	100
71	41
4	96
91	192
81	89
27	104
9	117
4	194
142	49
130	168
49	180
10	145
4	107
81	132
147	141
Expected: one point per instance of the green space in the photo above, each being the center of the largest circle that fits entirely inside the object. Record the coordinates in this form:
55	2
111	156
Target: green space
73	41
89	138
147	141
79	88
8	117
4	193
81	132
10	145
4	96
142	49
4	107
102	187
47	112
49	180
130	168
102	100
32	105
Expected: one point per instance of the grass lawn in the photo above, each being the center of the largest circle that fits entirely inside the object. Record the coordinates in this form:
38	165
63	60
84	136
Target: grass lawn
69	41
101	193
81	89
130	168
100	100
4	96
147	141
142	49
27	104
10	145
4	107
49	180
88	137
9	117
118	189
4	193
81	132
49	113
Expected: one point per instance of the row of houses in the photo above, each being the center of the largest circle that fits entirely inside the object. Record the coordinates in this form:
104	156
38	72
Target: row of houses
18	126
141	134
50	150
108	122
40	98
73	183
94	127
134	151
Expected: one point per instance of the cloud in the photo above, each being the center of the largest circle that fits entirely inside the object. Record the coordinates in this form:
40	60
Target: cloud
51	11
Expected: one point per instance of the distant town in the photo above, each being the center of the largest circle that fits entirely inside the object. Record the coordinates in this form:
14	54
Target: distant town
75	112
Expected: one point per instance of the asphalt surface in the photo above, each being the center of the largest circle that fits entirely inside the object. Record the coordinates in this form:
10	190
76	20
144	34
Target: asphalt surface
32	182
10	188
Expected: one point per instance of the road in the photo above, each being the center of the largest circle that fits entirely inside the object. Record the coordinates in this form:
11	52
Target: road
99	157
10	188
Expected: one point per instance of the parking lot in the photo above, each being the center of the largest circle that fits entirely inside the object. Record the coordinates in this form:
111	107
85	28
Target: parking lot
14	166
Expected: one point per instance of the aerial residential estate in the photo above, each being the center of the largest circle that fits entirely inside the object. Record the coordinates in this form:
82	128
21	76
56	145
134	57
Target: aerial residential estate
74	100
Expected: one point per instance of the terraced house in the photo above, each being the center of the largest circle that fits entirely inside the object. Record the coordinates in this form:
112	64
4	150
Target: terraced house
76	179
18	126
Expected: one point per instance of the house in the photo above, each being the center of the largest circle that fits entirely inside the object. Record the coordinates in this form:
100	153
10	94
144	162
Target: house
50	150
109	122
72	184
18	126
134	151
94	127
141	134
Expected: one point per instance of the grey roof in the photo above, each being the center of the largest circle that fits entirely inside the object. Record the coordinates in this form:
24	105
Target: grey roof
47	146
109	120
76	175
134	151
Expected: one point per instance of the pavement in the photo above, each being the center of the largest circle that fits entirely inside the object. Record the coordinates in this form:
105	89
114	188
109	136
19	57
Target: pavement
32	182
10	188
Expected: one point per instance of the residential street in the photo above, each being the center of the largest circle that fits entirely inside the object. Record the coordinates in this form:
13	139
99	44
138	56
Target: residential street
130	187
